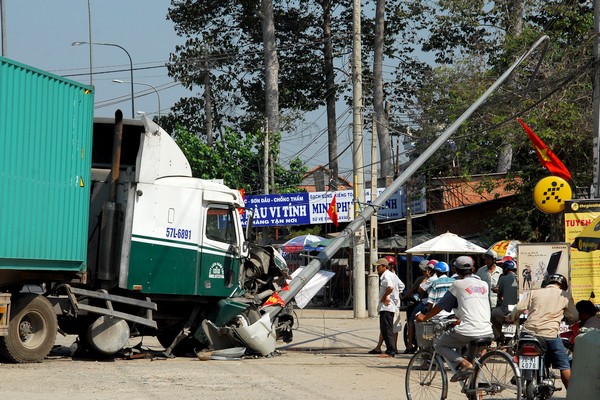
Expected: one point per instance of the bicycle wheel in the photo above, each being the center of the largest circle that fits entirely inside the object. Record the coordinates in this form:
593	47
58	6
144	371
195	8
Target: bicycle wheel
425	377
496	377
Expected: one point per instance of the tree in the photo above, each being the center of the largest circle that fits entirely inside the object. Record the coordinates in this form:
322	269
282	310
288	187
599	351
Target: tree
553	97
381	119
236	159
225	36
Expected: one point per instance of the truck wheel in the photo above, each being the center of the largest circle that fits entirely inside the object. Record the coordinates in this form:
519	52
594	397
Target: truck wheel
31	331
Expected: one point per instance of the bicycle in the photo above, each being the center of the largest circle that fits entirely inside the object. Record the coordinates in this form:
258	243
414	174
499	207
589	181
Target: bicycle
495	375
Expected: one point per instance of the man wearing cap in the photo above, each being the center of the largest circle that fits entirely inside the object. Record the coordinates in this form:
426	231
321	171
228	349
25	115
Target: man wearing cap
387	306
490	273
508	288
469	297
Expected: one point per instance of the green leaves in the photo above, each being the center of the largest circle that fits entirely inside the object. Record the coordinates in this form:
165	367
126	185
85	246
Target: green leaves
237	159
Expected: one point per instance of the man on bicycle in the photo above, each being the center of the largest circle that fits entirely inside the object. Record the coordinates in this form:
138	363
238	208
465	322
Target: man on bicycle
546	308
469	297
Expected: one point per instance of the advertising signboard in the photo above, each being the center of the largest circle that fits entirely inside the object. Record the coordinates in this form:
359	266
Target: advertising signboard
311	207
585	265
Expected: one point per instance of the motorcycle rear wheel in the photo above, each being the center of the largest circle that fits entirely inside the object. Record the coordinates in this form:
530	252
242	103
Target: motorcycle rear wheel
530	389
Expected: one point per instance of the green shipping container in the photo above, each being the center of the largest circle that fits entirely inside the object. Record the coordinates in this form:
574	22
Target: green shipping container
46	124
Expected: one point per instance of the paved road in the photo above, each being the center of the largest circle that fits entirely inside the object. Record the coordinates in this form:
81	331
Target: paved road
327	360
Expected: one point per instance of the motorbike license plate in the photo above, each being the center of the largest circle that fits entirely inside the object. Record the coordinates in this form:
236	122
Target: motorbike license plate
529	362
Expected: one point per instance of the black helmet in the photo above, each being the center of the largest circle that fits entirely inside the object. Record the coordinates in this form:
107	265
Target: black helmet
464	264
558	279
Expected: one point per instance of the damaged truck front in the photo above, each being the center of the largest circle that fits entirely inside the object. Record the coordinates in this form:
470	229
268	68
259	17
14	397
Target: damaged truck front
104	233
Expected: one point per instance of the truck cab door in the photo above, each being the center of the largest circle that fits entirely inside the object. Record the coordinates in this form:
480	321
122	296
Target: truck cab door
219	261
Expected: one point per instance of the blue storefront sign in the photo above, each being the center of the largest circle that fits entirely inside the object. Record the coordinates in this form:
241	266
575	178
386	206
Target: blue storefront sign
311	207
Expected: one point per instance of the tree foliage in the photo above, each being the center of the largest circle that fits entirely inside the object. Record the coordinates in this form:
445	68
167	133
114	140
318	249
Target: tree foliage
553	96
224	40
237	159
446	52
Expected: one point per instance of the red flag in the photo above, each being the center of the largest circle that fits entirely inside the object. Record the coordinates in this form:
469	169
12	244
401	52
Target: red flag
275	299
546	156
332	211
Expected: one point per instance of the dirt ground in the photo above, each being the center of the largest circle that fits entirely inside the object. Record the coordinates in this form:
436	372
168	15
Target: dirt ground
327	360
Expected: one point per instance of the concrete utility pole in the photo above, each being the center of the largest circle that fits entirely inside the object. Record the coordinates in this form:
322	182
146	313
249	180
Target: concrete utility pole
596	100
373	280
266	159
358	162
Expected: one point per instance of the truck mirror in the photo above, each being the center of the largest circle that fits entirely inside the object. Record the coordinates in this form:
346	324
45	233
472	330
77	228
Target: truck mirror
250	214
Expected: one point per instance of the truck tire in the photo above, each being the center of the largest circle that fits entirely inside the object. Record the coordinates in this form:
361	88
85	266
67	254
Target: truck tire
31	331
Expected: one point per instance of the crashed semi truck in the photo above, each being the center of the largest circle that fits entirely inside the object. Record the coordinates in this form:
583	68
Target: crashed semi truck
134	247
105	234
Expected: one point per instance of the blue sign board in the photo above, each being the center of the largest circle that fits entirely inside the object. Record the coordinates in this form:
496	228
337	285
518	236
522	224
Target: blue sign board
311	207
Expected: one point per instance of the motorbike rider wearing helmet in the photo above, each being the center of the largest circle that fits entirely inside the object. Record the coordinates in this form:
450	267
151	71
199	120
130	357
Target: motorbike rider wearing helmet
469	296
546	308
508	288
440	286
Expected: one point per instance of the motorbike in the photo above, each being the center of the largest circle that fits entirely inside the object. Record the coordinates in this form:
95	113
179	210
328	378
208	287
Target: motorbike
411	303
538	380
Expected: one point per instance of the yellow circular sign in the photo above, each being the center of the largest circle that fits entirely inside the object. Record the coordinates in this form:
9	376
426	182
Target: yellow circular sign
550	194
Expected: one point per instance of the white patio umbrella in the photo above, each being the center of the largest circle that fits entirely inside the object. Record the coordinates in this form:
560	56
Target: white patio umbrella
447	243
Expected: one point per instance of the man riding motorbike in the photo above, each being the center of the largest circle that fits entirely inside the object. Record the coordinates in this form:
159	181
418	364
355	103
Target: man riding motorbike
546	309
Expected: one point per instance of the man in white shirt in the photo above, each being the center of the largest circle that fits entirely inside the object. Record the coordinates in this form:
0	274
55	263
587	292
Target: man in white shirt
491	273
470	297
397	298
387	305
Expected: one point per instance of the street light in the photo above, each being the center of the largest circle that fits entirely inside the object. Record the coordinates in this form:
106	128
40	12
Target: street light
145	84
130	67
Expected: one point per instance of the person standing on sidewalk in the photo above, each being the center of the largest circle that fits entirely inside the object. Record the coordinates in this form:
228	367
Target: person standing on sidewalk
397	317
387	306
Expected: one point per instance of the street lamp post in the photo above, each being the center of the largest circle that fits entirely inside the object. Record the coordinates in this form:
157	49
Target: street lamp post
130	67
144	84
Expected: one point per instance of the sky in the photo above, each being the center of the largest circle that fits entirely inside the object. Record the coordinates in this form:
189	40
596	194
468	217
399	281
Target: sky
40	32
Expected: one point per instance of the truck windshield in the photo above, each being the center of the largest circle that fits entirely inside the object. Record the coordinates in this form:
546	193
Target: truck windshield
219	225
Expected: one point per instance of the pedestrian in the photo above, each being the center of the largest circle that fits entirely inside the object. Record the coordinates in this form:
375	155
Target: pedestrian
546	309
397	327
470	299
490	273
508	295
426	267
387	306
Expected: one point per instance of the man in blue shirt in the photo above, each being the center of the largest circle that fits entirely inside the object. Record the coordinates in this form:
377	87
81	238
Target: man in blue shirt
441	285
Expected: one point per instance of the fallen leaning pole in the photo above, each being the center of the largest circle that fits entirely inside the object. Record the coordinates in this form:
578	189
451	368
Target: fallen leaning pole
324	256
